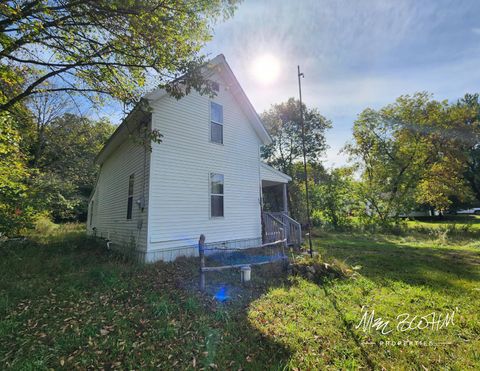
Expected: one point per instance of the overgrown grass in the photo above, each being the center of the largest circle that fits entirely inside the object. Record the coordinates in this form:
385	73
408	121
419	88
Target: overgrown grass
67	303
460	227
461	221
415	274
455	227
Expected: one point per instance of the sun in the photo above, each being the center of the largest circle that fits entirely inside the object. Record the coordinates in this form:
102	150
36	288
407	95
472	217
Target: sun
266	69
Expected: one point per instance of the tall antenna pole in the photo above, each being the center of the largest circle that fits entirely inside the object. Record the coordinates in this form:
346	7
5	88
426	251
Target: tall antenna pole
305	173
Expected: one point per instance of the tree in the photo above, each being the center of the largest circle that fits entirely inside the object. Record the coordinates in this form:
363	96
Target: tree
283	123
16	212
472	174
410	152
471	102
103	47
16	209
44	109
67	171
441	183
285	153
333	199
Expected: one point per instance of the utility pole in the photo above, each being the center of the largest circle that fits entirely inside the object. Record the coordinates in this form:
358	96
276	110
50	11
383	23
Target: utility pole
305	172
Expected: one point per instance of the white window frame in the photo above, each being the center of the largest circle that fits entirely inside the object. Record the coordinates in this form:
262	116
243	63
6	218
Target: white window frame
210	194
211	121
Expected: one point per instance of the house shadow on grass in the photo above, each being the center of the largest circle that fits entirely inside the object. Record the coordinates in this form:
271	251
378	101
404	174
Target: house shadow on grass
230	340
104	312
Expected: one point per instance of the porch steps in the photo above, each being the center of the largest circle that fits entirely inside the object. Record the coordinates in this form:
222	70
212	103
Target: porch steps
277	223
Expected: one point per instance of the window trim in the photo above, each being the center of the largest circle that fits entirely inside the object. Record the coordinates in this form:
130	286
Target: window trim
211	121
210	194
131	178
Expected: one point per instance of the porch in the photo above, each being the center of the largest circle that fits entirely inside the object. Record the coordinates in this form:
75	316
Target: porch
276	220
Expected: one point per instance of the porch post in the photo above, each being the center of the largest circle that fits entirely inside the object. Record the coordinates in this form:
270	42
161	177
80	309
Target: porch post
286	233
285	199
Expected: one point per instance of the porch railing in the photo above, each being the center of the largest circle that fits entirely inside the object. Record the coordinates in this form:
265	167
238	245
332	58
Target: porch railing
275	221
272	228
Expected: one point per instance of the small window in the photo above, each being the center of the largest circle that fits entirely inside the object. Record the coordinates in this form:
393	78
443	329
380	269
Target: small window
130	196
216	123
216	195
215	86
91	213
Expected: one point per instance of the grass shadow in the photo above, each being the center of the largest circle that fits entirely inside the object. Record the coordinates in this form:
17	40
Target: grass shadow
241	345
67	302
384	259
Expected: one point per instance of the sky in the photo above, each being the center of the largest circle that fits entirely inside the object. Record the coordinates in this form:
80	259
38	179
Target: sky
354	54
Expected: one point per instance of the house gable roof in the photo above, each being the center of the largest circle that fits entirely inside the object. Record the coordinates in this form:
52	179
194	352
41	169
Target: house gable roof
134	119
219	65
137	115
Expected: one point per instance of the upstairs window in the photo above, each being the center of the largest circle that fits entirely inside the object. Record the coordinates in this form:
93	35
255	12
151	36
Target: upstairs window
216	195
216	123
130	196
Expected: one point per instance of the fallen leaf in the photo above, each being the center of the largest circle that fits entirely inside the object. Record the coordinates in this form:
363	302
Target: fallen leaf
104	332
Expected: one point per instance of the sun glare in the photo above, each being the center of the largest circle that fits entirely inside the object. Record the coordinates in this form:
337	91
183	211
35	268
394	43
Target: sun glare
266	69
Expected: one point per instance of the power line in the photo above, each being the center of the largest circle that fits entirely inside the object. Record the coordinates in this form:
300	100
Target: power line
305	172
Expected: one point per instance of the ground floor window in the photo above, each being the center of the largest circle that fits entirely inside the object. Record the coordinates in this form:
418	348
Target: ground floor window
216	195
130	196
91	213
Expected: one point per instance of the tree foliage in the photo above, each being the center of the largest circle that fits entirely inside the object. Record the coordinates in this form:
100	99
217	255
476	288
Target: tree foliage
16	211
285	152
103	47
284	125
333	198
67	170
43	110
59	183
471	103
411	152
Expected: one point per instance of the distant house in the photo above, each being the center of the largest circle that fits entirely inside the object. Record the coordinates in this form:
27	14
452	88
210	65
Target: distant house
206	177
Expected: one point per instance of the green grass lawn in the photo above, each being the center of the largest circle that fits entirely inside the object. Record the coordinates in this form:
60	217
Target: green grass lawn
67	303
469	222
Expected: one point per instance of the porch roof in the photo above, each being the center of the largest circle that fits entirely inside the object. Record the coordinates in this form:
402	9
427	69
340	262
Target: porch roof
271	176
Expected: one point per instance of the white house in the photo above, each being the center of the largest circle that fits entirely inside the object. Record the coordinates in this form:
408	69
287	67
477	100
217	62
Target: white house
205	177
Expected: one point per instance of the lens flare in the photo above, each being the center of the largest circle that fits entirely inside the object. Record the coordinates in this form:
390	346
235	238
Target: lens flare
266	69
222	295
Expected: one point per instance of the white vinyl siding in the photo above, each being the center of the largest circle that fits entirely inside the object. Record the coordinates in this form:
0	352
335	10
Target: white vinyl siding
180	168
110	199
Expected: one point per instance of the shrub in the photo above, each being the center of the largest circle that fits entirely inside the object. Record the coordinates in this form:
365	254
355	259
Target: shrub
44	226
334	200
